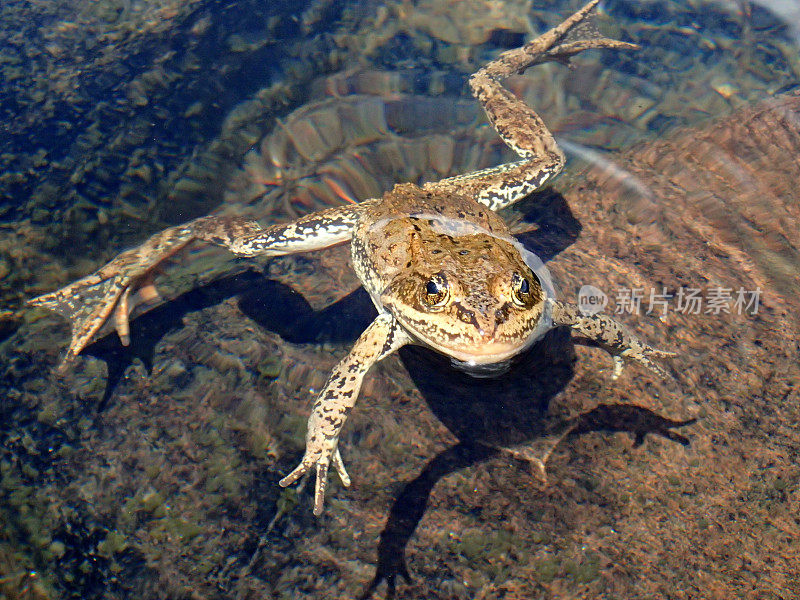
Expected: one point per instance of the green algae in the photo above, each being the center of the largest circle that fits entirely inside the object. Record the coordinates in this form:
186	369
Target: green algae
270	368
586	570
294	429
546	568
114	543
151	501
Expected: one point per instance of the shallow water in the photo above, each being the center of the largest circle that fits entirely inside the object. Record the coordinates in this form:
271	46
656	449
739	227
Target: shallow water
151	471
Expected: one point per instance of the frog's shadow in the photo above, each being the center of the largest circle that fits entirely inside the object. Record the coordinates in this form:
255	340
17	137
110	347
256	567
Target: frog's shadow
490	415
553	226
482	413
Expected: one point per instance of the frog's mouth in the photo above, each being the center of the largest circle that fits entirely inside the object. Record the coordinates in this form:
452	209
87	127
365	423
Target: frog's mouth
485	356
477	356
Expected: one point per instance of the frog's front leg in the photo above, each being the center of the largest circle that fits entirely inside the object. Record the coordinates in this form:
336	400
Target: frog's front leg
609	334
90	302
337	399
518	125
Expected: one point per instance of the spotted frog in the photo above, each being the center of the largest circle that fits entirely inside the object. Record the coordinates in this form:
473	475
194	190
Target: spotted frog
438	262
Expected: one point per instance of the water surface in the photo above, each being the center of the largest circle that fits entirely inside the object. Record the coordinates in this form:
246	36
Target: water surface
151	471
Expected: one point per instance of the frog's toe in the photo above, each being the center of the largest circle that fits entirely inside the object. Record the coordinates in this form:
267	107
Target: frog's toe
655	368
619	365
146	293
300	470
338	464
319	487
645	356
121	312
564	52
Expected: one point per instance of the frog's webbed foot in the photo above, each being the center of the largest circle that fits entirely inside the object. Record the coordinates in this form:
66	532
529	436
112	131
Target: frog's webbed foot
612	336
574	35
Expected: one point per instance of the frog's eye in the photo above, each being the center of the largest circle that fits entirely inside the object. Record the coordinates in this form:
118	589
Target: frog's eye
436	292
521	291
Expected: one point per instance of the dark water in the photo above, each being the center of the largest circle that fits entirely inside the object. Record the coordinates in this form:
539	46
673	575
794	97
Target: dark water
150	471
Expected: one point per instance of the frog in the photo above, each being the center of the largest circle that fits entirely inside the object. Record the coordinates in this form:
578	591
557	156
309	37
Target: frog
439	263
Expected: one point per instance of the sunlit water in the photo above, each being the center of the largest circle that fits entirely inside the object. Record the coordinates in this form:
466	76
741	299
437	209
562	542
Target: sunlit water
151	471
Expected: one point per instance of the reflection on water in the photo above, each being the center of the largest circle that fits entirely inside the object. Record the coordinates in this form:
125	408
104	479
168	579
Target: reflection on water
150	471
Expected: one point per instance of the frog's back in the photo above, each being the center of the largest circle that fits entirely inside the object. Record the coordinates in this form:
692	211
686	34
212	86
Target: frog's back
406	200
410	222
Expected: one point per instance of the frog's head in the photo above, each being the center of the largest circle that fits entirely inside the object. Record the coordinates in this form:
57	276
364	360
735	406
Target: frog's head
471	297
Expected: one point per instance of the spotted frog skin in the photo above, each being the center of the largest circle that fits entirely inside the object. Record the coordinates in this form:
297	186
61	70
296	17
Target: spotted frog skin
439	263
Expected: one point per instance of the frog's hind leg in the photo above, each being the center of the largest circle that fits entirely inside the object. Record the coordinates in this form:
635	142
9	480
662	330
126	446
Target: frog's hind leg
90	303
517	124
